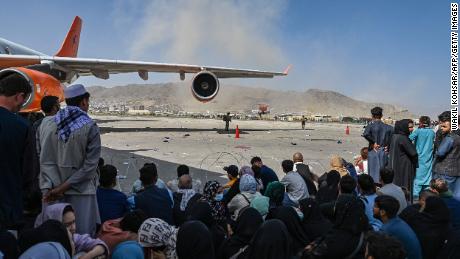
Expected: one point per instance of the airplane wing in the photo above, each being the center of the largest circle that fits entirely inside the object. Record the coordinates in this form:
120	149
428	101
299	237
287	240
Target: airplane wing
101	68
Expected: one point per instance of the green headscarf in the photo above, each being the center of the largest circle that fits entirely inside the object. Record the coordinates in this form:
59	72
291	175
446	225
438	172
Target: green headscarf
275	191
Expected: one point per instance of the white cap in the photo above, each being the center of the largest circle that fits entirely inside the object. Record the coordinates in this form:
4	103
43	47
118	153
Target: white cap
74	91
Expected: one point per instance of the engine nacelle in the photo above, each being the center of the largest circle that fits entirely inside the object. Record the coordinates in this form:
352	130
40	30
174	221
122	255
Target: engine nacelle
41	85
205	86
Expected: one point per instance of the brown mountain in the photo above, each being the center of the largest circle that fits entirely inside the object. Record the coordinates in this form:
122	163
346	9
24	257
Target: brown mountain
242	99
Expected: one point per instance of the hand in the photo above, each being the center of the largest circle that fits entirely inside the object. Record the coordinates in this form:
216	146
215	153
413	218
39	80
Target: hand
52	195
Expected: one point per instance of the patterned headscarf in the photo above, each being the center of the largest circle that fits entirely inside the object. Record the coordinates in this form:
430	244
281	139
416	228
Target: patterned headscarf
70	119
155	232
209	193
248	184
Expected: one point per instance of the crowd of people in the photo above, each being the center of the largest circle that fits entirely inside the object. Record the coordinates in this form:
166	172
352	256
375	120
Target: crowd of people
398	199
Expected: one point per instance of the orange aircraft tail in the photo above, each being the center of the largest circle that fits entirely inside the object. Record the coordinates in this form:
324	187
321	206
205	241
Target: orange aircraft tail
69	47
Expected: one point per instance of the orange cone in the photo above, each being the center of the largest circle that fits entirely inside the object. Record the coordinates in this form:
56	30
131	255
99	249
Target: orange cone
237	132
347	130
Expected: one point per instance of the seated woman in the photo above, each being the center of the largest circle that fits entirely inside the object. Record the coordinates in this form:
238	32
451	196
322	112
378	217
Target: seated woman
50	231
248	191
64	213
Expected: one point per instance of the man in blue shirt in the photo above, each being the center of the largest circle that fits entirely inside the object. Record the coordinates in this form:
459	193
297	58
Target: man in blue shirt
267	175
112	203
154	201
385	209
367	194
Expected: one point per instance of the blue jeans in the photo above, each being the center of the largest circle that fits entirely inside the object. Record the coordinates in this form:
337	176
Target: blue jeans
453	182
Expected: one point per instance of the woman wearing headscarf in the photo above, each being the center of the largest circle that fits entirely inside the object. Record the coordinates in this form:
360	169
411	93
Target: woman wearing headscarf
51	250
346	238
330	191
50	231
245	228
248	191
202	212
64	213
291	220
314	223
431	225
271	241
337	165
158	236
403	158
275	191
194	241
212	196
8	245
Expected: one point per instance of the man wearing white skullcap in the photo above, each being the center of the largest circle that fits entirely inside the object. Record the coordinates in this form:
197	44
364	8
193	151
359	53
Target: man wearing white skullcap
69	146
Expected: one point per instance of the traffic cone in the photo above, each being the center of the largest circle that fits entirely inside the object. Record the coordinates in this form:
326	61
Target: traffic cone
237	132
347	130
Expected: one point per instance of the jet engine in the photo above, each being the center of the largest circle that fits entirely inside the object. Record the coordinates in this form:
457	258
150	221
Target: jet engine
205	86
41	85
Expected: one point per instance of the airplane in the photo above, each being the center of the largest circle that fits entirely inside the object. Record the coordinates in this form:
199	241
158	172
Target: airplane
49	75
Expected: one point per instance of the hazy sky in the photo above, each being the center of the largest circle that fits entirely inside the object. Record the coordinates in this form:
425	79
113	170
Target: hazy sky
389	51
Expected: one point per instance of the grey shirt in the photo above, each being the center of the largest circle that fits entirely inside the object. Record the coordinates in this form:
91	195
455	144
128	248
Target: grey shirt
396	192
295	186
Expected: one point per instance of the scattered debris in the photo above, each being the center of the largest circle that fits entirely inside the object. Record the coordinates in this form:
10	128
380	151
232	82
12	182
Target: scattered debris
243	147
339	142
293	143
187	135
166	141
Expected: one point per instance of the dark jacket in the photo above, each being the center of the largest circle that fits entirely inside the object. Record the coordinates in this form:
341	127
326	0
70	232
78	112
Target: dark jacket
156	203
180	216
308	178
15	180
267	175
448	156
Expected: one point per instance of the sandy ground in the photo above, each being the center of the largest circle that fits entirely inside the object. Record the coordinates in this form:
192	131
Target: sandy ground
129	142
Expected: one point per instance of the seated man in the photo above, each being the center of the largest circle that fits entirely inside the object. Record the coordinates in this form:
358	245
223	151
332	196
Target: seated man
296	189
116	231
112	203
232	174
385	209
154	201
184	170
391	189
184	198
440	186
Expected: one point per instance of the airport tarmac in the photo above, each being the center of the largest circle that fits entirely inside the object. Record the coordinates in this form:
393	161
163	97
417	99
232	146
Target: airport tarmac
129	142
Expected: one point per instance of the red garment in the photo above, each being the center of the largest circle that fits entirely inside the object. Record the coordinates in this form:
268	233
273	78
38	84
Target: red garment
112	234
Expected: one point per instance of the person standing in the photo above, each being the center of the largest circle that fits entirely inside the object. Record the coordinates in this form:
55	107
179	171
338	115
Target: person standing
403	156
227	118
378	134
423	138
303	120
447	162
14	142
69	147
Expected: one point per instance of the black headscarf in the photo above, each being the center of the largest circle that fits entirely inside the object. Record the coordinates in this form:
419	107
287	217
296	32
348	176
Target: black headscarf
402	127
202	211
350	215
329	192
50	231
271	241
314	223
432	225
294	226
8	245
246	226
194	241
